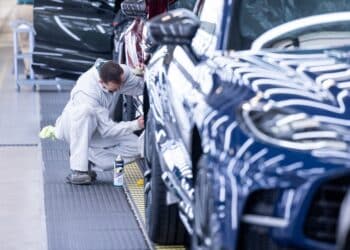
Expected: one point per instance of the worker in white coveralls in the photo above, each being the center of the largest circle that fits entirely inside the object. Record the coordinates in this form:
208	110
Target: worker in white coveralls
86	121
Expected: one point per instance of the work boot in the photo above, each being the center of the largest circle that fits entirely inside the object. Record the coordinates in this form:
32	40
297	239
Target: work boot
79	178
92	173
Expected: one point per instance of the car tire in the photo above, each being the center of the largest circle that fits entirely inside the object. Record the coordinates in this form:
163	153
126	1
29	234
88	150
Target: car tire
343	230
118	111
163	223
205	227
347	243
129	110
124	110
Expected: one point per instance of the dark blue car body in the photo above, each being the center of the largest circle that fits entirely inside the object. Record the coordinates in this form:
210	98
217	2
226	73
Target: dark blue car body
273	131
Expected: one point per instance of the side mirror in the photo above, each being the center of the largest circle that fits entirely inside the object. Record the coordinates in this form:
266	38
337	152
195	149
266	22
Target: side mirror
134	8
176	27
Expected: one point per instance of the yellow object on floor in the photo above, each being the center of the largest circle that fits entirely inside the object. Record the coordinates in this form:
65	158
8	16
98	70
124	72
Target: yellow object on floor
140	182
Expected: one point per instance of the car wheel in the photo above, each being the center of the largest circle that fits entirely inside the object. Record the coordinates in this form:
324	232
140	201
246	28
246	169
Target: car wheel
163	223
129	110
205	226
125	109
118	111
343	230
347	244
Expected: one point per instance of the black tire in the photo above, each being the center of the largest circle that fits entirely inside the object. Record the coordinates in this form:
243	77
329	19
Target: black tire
347	243
162	222
125	109
129	110
205	229
118	111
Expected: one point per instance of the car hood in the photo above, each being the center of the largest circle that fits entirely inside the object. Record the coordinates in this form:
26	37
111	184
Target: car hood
296	100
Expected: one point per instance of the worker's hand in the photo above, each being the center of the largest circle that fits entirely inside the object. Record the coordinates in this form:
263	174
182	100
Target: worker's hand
141	122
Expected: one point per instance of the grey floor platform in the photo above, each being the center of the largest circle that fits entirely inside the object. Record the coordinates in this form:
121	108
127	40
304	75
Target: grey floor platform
22	213
38	211
96	217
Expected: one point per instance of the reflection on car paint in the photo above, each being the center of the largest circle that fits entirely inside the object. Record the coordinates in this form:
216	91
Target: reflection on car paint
245	158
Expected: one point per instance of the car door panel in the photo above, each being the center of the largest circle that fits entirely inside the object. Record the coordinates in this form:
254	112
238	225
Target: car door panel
68	40
181	87
169	137
100	13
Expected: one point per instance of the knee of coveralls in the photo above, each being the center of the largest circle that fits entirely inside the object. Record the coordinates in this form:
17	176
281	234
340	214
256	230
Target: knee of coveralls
127	146
83	124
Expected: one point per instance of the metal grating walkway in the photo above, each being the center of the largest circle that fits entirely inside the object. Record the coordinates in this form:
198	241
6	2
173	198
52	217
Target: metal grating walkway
134	180
96	217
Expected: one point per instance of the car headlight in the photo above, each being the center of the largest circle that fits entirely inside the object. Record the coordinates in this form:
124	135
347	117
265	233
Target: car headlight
291	129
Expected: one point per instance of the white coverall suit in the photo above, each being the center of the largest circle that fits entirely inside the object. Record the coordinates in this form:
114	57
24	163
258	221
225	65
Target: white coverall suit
86	123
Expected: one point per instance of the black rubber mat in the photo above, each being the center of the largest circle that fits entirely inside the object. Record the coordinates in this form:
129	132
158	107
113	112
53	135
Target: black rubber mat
96	217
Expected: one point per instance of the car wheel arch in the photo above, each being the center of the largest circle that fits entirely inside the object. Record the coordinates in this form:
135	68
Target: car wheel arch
196	151
146	104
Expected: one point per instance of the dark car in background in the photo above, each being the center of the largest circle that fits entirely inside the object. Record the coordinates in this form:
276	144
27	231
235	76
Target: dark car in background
251	148
71	34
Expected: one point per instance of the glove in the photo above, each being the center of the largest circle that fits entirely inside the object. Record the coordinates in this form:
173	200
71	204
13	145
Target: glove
48	132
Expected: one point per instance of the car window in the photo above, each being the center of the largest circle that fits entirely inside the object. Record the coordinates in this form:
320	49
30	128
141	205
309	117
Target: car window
205	39
256	17
317	37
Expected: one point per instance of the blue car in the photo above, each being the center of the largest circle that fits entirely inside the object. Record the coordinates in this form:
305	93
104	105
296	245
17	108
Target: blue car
248	149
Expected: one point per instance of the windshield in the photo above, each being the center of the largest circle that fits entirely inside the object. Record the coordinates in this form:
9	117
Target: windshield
257	17
318	37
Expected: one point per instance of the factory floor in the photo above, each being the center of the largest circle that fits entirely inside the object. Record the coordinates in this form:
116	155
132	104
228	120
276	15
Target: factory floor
38	210
21	185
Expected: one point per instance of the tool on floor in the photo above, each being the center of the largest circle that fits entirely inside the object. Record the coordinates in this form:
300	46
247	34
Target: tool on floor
118	172
140	182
